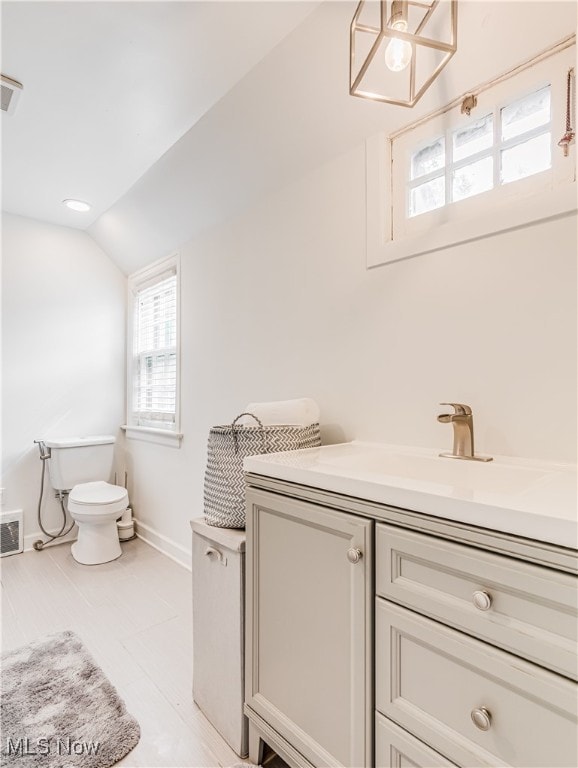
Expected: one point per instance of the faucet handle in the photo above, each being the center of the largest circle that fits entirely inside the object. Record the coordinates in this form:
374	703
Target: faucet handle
460	409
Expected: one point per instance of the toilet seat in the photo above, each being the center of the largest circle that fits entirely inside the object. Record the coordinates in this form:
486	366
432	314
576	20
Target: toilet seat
97	498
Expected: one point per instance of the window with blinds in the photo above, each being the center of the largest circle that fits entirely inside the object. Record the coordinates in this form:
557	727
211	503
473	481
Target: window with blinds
155	351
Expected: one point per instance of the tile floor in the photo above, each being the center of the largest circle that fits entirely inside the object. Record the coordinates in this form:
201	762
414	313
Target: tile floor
135	617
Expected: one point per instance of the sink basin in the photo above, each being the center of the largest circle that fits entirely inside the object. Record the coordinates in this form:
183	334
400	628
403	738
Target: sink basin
381	461
534	499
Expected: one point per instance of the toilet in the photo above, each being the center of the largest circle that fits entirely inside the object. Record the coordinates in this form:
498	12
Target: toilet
79	465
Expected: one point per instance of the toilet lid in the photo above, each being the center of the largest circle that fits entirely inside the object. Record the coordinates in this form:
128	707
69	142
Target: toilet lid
98	492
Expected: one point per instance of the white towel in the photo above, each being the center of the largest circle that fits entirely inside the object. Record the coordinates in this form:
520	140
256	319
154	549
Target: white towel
302	411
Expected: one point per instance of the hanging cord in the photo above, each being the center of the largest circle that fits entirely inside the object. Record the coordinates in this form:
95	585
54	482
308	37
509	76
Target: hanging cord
568	137
39	544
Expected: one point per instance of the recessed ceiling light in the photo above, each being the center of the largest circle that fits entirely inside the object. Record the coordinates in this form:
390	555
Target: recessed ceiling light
77	205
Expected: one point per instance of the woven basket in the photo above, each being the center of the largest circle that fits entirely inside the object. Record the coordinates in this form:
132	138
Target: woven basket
227	447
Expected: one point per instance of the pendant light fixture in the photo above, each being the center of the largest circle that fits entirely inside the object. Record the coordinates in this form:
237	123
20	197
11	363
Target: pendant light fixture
399	47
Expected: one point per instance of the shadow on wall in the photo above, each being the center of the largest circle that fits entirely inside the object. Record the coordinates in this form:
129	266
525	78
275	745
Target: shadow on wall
332	433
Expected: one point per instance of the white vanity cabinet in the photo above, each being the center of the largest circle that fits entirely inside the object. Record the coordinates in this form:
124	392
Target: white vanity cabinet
474	694
309	630
442	644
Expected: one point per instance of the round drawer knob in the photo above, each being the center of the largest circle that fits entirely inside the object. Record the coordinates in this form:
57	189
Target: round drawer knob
481	718
482	600
354	555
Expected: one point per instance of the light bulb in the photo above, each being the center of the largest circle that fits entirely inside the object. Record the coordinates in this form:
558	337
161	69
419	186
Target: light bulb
398	52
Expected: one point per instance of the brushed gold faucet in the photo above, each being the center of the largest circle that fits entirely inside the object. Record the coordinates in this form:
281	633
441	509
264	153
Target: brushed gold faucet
462	421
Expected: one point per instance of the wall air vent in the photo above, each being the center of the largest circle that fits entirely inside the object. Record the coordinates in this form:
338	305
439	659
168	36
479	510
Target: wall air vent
11	90
11	533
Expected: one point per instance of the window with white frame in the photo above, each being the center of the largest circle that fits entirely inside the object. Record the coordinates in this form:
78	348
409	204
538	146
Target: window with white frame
154	347
505	145
454	176
456	165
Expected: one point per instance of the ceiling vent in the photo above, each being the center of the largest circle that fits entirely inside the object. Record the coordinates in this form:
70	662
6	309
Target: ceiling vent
11	90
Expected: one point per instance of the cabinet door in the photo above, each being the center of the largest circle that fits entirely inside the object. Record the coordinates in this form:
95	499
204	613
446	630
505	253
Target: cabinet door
309	627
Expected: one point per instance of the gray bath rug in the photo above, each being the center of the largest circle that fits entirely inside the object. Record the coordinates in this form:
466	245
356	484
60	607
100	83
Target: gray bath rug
59	710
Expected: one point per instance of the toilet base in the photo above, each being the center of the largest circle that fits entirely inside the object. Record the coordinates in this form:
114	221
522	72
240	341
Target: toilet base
96	544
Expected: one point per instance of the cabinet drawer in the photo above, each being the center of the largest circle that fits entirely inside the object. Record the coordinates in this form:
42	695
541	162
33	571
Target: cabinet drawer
432	679
396	748
532	610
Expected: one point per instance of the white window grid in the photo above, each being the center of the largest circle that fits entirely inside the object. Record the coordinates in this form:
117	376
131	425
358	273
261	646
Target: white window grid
494	151
548	68
392	235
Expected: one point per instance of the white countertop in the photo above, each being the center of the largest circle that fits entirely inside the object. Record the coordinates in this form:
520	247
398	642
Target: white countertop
537	500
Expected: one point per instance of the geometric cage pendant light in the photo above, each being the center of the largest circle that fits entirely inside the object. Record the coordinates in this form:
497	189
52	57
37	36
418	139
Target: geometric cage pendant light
399	47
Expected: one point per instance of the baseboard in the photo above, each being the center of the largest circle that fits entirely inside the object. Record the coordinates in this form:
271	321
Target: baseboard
30	538
157	540
165	545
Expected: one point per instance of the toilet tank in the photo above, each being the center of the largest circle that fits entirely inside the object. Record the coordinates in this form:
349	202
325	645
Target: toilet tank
75	460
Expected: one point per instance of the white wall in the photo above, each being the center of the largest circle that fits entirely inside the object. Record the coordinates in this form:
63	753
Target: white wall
277	304
63	354
292	112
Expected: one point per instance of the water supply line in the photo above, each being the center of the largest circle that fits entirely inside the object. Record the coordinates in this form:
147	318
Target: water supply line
39	544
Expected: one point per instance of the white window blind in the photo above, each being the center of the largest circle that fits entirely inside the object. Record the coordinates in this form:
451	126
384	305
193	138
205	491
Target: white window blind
154	395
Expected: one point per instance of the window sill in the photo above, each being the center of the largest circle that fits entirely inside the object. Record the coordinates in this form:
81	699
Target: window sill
152	435
521	212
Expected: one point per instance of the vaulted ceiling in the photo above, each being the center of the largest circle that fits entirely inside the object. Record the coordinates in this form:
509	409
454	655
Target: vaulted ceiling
109	87
170	117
